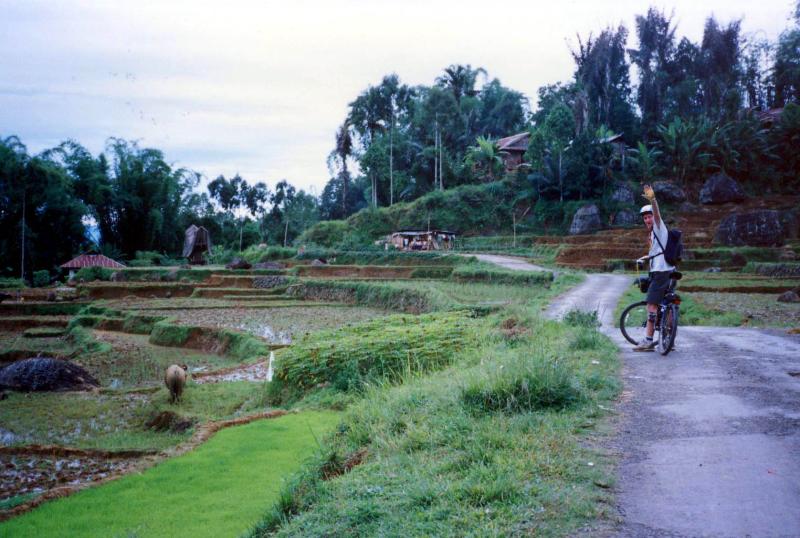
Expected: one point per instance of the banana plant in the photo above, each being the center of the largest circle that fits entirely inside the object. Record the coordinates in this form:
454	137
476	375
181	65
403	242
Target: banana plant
645	161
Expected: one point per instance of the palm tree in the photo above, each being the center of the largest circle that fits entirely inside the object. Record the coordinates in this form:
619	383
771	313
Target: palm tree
341	152
460	79
486	157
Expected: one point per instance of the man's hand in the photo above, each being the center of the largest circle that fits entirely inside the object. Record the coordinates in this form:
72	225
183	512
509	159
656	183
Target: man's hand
648	193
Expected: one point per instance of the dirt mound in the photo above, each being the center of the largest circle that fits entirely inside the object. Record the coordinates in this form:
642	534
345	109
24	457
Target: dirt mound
45	374
169	421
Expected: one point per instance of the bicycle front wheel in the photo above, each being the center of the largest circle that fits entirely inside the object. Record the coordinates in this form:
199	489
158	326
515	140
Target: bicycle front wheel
633	322
669	329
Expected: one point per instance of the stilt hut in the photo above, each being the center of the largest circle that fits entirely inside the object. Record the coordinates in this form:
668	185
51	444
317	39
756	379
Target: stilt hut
195	244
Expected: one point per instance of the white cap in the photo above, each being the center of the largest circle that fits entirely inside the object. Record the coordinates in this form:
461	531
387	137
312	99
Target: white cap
646	209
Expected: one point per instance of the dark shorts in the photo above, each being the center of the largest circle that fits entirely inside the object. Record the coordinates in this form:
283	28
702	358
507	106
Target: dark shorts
659	282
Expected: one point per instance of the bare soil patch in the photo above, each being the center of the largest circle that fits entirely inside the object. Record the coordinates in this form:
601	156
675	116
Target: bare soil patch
61	474
20	323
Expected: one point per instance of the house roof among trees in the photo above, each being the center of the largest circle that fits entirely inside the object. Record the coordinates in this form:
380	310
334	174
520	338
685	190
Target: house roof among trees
772	115
92	260
412	233
517	142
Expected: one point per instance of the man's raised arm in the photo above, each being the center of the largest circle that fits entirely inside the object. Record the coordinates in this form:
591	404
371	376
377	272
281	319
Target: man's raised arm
651	197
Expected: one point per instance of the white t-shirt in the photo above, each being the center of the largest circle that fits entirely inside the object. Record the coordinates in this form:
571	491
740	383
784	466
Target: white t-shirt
658	263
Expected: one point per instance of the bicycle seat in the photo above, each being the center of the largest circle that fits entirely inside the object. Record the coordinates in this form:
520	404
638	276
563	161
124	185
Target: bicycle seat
676	275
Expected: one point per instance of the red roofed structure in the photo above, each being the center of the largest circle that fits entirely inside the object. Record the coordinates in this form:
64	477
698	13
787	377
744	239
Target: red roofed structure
91	260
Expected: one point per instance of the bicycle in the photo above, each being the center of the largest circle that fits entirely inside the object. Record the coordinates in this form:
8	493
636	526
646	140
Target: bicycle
633	321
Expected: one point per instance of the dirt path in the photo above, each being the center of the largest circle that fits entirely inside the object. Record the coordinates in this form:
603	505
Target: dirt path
710	435
509	262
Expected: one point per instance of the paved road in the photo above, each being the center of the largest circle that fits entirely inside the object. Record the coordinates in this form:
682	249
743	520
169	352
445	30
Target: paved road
709	439
509	262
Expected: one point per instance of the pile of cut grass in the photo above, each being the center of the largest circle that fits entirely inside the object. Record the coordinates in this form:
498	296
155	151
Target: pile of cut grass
378	351
218	489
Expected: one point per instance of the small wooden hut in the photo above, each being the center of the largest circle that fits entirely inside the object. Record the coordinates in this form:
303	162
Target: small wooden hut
513	149
90	260
196	242
430	240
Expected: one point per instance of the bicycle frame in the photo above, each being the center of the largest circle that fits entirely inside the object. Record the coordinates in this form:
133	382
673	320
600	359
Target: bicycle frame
667	327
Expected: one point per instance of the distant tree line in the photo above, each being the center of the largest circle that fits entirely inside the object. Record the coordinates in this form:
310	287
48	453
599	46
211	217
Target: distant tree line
137	202
693	109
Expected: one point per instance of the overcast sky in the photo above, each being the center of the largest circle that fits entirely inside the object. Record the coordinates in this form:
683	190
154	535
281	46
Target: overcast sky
259	87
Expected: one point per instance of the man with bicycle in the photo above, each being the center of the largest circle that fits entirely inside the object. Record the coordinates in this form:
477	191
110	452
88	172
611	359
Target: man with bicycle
660	270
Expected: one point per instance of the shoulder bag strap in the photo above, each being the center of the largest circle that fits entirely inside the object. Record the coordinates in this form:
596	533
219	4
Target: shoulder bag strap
659	244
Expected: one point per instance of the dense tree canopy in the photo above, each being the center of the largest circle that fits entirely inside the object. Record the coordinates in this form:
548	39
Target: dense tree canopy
728	102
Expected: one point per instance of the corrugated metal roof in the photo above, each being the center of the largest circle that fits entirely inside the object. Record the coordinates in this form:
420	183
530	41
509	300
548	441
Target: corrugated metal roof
415	232
92	260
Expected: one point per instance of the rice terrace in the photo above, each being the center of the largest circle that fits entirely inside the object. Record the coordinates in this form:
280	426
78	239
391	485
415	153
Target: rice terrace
569	309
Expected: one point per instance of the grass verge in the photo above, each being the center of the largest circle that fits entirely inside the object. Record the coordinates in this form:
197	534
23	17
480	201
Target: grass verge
693	312
493	445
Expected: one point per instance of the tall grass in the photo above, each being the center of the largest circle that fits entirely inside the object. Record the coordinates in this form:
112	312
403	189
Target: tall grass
491	445
385	350
492	274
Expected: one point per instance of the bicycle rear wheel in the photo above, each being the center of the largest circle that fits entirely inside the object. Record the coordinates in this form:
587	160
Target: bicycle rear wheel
669	329
633	322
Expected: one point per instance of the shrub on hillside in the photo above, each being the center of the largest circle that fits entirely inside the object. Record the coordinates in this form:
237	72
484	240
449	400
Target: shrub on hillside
147	258
326	233
256	254
474	208
89	274
6	283
220	255
41	278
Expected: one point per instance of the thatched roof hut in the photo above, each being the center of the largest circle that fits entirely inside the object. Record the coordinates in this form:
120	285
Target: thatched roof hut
196	243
